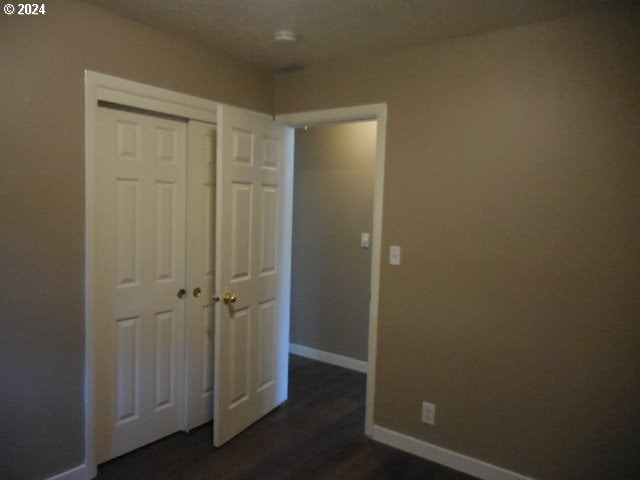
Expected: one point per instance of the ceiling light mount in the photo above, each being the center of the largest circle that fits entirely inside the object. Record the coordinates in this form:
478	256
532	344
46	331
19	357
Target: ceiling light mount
285	36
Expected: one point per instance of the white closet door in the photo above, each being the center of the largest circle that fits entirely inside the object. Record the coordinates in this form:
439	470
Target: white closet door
140	241
200	271
251	337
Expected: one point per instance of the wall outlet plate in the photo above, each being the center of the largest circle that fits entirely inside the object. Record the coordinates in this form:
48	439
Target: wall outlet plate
428	413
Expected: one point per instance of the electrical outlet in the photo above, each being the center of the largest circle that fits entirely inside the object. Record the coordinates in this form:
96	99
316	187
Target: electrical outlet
428	413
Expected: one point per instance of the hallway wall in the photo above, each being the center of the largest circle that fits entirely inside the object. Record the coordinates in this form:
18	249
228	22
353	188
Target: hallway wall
334	173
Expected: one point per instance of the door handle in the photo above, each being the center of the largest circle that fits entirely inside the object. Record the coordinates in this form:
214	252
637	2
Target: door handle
181	293
229	298
197	292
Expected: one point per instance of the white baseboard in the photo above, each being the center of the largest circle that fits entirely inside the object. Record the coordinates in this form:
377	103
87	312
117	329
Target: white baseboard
327	357
77	473
448	458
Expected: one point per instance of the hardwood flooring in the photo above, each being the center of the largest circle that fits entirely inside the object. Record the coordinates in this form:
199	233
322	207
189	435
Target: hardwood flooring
317	434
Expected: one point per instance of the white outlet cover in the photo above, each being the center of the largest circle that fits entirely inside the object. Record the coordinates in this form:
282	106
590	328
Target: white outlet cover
365	240
428	413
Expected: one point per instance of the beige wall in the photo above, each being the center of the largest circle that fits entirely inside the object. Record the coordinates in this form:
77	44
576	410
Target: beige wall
513	185
41	206
332	206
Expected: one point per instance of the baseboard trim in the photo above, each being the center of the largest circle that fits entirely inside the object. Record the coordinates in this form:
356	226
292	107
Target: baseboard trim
448	458
77	473
327	357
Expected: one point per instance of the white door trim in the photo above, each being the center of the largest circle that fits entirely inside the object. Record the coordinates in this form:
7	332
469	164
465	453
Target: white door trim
376	112
101	87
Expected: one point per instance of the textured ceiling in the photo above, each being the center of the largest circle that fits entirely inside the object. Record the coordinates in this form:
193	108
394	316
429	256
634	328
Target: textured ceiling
329	29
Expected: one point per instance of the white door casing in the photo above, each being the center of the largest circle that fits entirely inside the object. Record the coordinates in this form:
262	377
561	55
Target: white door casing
377	112
251	351
200	254
140	244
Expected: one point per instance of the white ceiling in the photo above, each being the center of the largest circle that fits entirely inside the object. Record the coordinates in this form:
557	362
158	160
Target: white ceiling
329	29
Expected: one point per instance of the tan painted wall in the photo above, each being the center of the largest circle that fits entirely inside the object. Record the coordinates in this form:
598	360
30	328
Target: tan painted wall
513	186
41	205
332	206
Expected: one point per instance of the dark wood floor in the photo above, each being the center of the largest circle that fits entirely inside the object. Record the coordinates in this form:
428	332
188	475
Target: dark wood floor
316	434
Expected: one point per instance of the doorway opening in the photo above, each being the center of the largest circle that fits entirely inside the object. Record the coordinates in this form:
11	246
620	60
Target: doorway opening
334	172
377	113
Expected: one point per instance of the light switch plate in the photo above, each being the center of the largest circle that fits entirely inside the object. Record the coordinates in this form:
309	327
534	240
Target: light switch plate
428	413
394	255
365	240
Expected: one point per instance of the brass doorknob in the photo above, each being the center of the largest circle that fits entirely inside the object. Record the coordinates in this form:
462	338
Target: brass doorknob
229	298
197	292
181	293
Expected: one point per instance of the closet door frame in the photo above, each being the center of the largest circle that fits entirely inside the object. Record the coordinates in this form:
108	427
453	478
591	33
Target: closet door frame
100	87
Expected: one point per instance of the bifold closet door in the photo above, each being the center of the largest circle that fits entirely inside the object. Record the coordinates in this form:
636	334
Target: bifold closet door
140	269
200	271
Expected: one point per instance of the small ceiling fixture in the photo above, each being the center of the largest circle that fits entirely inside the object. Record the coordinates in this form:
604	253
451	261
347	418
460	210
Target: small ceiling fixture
284	36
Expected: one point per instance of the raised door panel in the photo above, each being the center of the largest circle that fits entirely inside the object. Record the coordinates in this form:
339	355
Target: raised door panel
166	145
128	142
241	209
128	232
165	359
128	369
238	360
243	147
269	227
266	345
166	232
271	157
